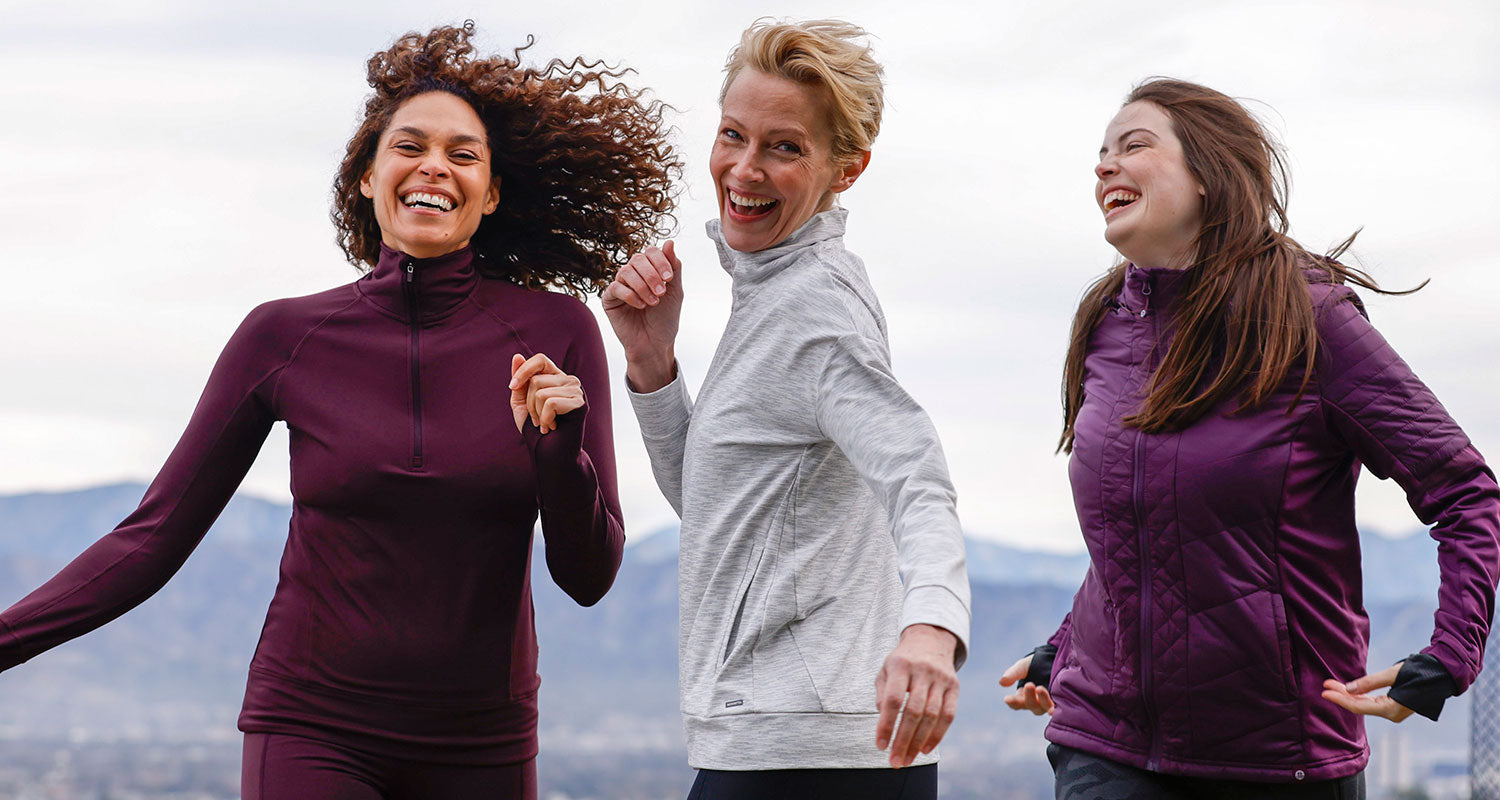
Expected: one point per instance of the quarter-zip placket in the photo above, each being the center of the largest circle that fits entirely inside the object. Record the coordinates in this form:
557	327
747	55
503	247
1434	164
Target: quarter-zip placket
415	357
1147	624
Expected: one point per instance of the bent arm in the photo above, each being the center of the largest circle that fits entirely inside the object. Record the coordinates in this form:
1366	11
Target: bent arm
131	563
893	445
1398	429
577	489
664	416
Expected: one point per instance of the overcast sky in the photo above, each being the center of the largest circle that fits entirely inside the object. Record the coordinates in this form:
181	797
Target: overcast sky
167	167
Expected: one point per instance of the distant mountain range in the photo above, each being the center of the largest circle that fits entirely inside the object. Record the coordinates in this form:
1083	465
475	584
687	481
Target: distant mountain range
174	669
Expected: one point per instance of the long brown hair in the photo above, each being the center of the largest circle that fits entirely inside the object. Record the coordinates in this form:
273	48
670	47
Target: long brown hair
1244	319
584	165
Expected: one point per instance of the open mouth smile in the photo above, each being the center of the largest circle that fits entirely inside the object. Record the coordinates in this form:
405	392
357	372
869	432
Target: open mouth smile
427	201
749	208
1119	198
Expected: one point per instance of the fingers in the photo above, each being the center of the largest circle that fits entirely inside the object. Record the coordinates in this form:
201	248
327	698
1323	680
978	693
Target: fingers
518	404
917	697
643	280
1376	680
669	249
914	717
1015	672
1375	705
1033	698
541	392
548	403
947	711
524	371
888	700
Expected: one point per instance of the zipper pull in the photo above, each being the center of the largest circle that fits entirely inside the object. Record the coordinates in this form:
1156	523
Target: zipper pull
1146	293
411	270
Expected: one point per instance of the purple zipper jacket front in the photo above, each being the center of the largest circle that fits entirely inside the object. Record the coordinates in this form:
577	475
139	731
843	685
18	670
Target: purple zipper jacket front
402	623
1225	582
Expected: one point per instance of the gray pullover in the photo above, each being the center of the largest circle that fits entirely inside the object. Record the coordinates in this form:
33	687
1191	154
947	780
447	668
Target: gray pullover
805	478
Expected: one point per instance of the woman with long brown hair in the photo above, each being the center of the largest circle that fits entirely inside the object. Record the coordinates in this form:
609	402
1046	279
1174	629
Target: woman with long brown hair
437	406
1222	389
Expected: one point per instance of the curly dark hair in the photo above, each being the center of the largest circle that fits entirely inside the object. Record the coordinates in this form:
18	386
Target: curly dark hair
584	164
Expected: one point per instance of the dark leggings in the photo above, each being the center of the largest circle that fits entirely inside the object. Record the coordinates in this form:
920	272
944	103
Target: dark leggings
279	767
1082	776
912	783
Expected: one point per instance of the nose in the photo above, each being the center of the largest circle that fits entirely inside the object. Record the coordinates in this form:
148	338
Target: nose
434	165
1106	168
747	168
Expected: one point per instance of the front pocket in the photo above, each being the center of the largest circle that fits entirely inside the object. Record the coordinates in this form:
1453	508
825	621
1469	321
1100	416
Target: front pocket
1242	701
739	608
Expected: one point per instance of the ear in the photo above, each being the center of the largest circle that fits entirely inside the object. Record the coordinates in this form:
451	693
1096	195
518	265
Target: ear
492	196
850	172
364	184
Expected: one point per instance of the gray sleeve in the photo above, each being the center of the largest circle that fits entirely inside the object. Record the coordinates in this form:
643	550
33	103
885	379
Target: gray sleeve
663	416
892	444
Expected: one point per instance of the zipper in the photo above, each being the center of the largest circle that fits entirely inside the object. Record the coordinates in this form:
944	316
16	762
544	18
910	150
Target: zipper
415	358
1147	623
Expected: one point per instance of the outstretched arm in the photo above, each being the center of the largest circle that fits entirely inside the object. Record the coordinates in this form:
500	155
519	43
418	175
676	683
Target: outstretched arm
131	563
892	444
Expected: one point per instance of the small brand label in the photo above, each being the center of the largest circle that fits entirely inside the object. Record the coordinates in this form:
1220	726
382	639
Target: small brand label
734	703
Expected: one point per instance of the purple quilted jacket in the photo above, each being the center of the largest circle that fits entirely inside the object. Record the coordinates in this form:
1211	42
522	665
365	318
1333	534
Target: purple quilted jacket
1225	581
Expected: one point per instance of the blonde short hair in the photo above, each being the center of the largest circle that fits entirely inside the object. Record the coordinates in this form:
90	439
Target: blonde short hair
821	52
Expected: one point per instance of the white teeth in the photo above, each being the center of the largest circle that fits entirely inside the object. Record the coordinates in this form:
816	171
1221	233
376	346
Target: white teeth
741	200
424	198
1119	197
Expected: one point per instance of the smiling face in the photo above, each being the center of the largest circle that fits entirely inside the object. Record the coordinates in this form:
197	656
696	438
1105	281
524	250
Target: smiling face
772	160
430	179
1152	203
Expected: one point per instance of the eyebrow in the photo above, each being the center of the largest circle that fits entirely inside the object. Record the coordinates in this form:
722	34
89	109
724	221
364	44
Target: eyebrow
1126	135
462	138
774	132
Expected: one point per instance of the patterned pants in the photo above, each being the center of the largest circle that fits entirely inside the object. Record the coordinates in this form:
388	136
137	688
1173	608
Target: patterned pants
1082	776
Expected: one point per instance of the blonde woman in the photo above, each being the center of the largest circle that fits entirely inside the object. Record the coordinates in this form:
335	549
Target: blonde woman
823	586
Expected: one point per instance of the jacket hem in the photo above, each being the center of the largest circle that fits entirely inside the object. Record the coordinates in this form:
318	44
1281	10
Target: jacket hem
1327	769
788	740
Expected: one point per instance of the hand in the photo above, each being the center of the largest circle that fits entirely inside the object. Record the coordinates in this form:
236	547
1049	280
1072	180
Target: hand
541	392
920	672
643	305
1355	695
1029	697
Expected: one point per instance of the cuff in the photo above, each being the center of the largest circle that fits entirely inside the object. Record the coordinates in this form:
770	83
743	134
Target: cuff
663	412
1422	685
1040	672
936	605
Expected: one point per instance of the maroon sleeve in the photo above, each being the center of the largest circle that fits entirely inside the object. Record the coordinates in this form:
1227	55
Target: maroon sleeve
128	565
1398	429
575	475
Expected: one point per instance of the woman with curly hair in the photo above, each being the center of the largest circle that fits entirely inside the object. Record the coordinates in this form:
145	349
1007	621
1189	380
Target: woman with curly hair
823	591
1223	388
398	658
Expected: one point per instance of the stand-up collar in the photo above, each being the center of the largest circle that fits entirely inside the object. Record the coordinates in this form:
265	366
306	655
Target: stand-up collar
1155	288
434	286
751	268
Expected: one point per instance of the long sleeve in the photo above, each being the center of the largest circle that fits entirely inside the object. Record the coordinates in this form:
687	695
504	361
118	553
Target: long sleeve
892	444
131	563
577	486
664	416
1397	428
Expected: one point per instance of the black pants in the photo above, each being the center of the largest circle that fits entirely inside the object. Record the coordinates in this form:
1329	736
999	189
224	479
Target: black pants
912	783
1082	776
